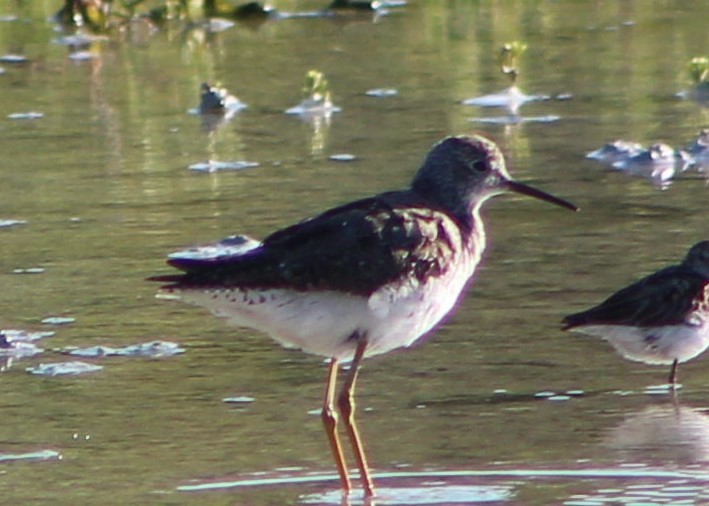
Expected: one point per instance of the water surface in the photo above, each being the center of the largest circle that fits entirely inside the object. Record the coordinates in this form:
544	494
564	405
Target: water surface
102	181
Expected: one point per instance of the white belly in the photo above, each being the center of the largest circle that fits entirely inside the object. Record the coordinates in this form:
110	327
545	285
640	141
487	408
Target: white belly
323	322
658	345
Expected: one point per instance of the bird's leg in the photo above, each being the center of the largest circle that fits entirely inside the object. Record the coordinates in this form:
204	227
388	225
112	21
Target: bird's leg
673	374
329	418
346	404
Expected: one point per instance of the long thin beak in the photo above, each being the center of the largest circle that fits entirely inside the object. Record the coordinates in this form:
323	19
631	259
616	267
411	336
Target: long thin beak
524	189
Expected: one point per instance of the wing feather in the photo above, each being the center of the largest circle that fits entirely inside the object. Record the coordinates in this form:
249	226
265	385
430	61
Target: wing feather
664	298
355	249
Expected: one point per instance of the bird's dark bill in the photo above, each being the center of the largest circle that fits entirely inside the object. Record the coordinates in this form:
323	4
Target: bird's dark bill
530	191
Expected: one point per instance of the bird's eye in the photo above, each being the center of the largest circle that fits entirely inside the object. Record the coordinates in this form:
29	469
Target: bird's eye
480	166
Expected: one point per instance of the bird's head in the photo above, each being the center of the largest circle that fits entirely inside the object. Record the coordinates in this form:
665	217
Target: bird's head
698	258
461	172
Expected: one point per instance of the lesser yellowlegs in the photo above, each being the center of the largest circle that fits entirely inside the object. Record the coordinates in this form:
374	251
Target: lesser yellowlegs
661	319
363	278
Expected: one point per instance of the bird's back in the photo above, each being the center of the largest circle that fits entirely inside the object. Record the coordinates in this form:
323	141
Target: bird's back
666	297
356	248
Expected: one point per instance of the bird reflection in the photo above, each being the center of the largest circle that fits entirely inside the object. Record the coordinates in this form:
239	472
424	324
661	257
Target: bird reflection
662	433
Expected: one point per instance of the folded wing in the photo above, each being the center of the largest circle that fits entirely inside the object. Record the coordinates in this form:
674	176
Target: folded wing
355	249
664	298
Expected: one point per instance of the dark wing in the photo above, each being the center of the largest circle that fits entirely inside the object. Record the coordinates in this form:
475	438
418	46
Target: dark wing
663	298
355	249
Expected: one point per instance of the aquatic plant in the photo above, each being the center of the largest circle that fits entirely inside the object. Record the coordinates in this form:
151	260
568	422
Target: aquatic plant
101	15
511	98
316	87
90	13
698	68
508	58
316	100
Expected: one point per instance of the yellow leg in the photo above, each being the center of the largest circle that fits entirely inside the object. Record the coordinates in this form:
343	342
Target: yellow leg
346	405
329	418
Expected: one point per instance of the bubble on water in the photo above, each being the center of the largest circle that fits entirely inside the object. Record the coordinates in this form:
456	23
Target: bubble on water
382	92
63	369
11	223
343	157
29	270
216	166
26	115
83	56
426	494
215	25
311	107
79	40
544	394
243	399
575	393
559	398
58	320
153	349
38	455
15	335
13	58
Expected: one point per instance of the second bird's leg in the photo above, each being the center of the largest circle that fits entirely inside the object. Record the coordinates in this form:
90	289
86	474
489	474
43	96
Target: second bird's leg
329	418
346	404
673	374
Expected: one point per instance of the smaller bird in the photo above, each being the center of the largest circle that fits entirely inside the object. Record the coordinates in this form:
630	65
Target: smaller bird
660	319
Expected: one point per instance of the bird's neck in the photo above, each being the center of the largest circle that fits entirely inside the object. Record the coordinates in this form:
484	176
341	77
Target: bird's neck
474	233
463	209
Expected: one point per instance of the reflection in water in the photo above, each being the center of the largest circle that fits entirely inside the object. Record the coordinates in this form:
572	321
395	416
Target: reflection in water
433	493
698	151
404	488
615	151
604	485
658	163
316	109
698	94
320	125
647	492
510	101
514	119
661	434
17	344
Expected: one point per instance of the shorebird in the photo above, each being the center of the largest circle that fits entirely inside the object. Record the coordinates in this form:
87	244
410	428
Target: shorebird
660	319
360	279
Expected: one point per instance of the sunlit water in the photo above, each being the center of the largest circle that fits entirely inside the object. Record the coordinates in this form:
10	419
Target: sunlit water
498	405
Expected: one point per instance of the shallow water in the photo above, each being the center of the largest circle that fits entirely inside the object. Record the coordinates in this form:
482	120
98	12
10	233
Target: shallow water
103	183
